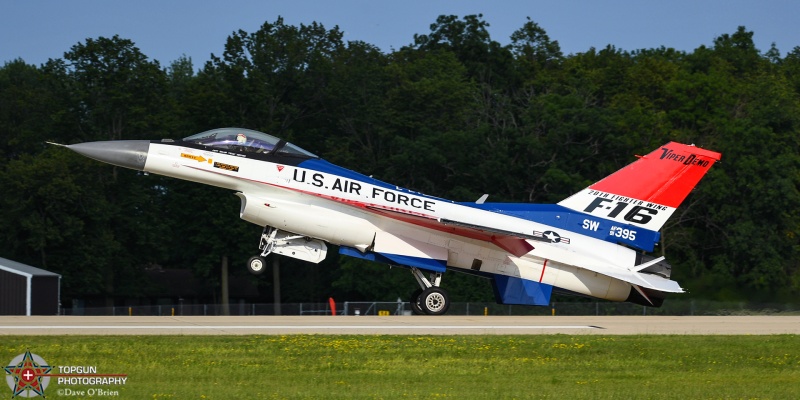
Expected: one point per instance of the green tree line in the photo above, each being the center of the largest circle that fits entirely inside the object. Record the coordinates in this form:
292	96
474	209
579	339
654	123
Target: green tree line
454	114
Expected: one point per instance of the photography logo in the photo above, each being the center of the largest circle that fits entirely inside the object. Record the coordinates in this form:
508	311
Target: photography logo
26	375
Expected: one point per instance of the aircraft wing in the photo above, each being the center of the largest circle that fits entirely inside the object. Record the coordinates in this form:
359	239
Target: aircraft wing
511	242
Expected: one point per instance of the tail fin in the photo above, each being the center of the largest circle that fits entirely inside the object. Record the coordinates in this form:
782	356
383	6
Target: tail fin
646	192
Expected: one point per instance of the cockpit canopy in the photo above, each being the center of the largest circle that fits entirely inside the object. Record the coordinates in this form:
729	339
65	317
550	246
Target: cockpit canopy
247	141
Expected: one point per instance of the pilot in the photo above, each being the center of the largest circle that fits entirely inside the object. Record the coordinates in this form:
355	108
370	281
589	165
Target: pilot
241	139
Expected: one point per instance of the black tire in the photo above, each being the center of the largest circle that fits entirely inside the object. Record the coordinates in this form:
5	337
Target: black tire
256	265
415	308
434	301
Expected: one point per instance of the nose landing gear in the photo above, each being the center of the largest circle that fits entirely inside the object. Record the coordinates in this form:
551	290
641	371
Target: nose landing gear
287	244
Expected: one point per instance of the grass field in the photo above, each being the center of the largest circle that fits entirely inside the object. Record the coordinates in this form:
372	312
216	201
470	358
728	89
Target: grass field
456	367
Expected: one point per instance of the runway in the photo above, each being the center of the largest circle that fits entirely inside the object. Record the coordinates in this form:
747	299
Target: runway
400	325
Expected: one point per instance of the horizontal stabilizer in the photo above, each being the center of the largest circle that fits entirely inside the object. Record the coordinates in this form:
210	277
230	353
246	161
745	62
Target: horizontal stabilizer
656	282
644	280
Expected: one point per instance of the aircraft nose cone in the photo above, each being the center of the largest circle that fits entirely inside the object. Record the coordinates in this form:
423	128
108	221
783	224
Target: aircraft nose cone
124	153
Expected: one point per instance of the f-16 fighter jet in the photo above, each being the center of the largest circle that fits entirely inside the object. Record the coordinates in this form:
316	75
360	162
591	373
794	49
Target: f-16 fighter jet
592	243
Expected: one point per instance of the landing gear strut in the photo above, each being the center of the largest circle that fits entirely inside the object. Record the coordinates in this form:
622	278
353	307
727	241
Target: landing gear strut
430	299
257	264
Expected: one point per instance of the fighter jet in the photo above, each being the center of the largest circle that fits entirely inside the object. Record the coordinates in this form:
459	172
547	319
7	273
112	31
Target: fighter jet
593	243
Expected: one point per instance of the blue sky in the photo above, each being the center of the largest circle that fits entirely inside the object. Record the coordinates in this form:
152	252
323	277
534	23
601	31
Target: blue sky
36	30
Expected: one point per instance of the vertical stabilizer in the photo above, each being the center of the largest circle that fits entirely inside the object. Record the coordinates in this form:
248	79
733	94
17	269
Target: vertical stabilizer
647	191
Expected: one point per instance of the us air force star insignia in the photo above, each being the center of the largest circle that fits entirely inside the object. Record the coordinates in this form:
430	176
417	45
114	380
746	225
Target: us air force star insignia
26	375
549	237
552	236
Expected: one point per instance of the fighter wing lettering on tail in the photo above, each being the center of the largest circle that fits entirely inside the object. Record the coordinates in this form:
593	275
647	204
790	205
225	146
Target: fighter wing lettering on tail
646	192
588	244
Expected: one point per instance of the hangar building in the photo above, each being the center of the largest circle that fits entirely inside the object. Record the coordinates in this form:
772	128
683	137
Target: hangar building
26	290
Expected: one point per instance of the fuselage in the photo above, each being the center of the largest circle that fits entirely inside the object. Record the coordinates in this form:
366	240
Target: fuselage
320	200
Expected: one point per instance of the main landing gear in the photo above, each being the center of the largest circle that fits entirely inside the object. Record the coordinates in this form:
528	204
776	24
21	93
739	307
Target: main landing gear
430	299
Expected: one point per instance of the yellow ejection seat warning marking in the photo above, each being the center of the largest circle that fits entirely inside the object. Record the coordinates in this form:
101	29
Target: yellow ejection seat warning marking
194	157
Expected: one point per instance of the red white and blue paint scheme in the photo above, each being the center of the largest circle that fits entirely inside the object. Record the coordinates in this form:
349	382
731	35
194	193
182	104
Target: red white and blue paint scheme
590	244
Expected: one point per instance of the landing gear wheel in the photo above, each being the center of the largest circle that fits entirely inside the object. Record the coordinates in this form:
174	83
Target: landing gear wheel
415	308
434	301
256	265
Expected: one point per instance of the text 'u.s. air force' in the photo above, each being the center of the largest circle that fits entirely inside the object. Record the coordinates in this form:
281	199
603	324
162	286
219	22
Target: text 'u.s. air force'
352	187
